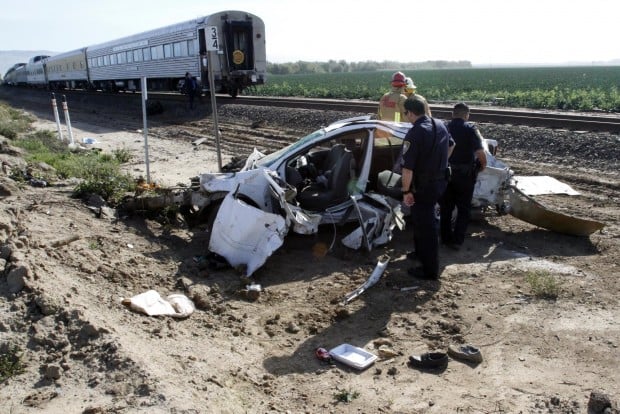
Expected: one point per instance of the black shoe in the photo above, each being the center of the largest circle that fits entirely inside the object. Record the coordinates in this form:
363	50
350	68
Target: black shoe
429	360
419	273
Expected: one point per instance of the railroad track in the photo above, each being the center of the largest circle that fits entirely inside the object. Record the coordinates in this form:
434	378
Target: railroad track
517	117
570	121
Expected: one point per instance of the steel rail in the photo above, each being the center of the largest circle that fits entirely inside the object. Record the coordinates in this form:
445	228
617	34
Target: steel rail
521	117
516	117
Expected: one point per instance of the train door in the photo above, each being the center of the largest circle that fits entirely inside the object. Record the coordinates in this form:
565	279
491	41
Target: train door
202	49
239	53
240	47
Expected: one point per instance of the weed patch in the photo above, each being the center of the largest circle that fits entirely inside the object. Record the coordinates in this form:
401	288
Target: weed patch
13	122
100	172
10	363
543	284
346	396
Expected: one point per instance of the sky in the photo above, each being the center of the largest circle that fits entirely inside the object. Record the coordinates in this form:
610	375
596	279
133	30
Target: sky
484	32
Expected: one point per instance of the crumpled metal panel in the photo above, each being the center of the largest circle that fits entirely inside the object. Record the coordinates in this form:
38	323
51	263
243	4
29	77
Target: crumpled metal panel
531	211
245	235
543	184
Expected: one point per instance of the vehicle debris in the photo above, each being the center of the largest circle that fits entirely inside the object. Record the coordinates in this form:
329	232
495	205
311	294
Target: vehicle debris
339	174
371	281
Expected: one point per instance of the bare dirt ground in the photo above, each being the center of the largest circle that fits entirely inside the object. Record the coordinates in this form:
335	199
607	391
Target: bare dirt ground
66	271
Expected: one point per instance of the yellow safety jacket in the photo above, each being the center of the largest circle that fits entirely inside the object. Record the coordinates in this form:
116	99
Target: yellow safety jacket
392	106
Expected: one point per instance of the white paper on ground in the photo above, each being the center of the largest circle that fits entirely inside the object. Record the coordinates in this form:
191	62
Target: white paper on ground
152	304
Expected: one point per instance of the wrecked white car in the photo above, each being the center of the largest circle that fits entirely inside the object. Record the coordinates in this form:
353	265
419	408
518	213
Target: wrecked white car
327	177
338	174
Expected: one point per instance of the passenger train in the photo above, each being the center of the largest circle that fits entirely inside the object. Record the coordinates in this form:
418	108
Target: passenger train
162	55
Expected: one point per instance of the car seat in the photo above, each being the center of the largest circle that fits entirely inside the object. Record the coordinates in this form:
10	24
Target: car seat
333	189
390	183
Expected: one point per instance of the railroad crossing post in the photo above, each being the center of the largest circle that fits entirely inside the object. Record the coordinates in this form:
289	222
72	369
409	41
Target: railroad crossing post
56	117
65	109
145	129
213	45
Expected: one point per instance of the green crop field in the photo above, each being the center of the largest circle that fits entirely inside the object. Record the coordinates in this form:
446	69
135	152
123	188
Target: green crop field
570	88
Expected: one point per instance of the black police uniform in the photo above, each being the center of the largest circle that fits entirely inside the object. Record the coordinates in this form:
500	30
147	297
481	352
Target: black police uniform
460	189
425	152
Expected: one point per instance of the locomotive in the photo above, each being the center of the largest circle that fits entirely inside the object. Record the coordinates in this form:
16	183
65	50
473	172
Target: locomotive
161	55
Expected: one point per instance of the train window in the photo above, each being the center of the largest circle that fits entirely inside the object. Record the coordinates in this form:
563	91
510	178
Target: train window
100	61
191	51
137	55
180	49
240	40
121	57
129	57
147	53
168	51
106	60
113	59
157	52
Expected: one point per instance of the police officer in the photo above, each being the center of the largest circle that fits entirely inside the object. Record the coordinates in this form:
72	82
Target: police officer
466	161
391	104
426	149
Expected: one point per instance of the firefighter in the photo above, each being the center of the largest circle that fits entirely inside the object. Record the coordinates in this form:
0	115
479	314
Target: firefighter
409	87
392	104
410	90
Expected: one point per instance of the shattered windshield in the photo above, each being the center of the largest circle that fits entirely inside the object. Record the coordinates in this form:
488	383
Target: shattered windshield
269	159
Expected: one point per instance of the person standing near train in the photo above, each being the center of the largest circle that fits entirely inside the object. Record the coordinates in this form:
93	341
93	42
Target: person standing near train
391	104
467	160
190	86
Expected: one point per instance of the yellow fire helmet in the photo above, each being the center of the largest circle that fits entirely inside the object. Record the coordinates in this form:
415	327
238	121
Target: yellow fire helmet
409	86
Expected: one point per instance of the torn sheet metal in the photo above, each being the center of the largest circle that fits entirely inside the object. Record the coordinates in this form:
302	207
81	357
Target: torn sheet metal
302	221
540	185
492	183
371	281
377	219
245	235
529	210
252	184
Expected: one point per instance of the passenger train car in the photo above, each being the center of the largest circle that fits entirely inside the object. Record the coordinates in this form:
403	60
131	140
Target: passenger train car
68	70
35	71
16	75
163	56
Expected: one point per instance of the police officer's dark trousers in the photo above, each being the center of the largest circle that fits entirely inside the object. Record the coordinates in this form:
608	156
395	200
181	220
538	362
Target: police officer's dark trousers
458	194
425	236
